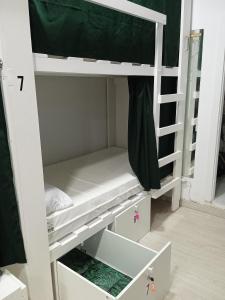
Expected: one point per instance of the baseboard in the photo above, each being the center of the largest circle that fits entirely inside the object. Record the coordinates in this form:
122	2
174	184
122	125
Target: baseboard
204	207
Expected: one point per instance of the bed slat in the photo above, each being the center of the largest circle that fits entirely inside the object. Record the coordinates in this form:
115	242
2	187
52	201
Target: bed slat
74	66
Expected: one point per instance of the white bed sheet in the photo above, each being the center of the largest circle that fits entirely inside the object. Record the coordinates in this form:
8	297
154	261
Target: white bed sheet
95	182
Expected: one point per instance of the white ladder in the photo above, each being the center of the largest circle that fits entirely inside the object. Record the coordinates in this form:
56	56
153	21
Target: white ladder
172	182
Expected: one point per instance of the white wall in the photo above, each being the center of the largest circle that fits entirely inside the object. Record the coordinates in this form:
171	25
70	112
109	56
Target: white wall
210	16
72	114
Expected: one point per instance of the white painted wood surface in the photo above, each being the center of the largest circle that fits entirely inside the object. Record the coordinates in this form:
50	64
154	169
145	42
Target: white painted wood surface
186	14
11	288
157	78
169	98
119	252
170	129
24	141
134	222
132	9
167	184
159	269
64	245
211	98
179	98
125	256
169	159
72	66
192	96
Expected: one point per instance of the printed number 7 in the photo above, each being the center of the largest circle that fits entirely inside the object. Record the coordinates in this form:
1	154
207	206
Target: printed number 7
21	83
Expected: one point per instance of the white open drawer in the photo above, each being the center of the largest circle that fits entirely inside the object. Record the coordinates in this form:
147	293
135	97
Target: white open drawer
134	222
126	256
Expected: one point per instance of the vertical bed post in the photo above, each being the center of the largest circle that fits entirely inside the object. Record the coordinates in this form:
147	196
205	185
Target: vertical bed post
191	99
186	14
21	112
158	77
110	112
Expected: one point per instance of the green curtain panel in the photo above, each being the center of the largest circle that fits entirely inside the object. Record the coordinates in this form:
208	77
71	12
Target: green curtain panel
141	133
11	241
80	29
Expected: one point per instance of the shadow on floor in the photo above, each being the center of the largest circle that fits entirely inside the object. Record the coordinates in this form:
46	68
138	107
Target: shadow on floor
160	211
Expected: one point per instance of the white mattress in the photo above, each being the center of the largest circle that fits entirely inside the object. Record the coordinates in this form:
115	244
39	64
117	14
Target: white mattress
95	182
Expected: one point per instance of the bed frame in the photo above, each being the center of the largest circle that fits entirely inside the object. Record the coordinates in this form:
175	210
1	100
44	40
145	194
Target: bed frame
191	121
18	66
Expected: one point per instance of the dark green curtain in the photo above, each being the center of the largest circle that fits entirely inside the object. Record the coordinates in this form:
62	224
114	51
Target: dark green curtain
80	29
141	133
11	241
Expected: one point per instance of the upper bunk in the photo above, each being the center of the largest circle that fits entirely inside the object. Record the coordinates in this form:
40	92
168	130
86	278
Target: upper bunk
111	54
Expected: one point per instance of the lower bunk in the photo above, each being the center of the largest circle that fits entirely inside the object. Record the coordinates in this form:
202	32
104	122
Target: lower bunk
95	183
99	186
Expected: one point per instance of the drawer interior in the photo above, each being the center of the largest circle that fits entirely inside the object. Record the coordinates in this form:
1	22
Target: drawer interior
109	261
97	272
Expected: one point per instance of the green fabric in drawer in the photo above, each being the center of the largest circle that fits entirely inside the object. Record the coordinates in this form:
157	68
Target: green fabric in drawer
105	277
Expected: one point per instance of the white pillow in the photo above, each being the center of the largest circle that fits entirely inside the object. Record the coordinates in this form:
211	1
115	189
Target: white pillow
55	199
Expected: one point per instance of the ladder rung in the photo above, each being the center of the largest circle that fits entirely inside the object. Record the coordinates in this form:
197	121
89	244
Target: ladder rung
165	188
193	147
169	159
194	122
170	129
171	98
170	72
191	171
196	95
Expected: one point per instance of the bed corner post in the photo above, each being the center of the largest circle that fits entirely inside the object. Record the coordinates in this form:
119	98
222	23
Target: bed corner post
186	18
19	97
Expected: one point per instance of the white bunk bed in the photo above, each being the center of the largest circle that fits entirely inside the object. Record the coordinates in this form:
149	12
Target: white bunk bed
36	240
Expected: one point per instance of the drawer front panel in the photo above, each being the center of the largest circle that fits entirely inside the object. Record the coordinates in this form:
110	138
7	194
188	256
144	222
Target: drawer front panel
134	223
159	270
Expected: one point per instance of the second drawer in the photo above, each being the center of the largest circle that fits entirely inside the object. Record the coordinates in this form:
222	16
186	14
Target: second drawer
134	222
